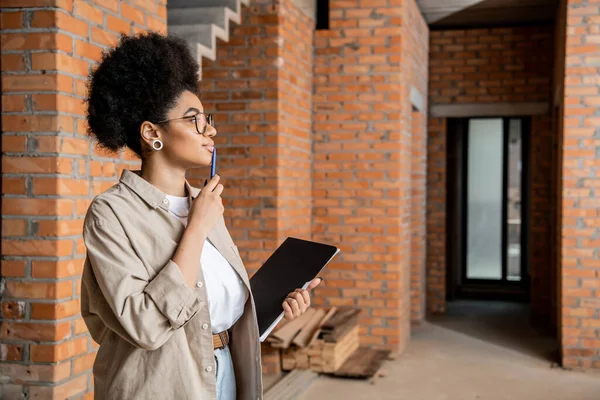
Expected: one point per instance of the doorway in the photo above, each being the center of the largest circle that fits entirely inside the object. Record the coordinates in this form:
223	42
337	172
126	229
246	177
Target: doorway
488	234
488	183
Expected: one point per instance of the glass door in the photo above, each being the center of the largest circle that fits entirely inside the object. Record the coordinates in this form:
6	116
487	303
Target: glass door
493	187
484	199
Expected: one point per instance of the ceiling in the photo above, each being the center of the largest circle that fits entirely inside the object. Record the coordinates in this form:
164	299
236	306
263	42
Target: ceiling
445	14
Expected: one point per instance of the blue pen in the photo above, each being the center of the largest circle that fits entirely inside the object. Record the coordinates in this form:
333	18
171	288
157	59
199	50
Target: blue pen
213	165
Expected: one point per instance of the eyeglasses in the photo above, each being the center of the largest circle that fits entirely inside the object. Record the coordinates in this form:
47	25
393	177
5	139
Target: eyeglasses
201	120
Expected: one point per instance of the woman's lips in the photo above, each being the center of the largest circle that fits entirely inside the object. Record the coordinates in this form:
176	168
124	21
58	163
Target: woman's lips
209	147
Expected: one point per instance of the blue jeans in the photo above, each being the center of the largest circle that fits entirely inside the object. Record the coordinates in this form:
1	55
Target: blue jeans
225	375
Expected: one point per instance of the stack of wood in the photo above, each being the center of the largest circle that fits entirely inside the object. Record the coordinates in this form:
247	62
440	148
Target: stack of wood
336	342
319	340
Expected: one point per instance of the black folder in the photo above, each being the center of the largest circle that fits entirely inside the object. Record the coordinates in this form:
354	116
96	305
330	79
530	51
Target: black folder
293	265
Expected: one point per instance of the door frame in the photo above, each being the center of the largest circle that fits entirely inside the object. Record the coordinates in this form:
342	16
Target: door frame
457	283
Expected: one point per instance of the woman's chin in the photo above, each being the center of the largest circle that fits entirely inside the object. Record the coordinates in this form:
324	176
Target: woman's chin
199	163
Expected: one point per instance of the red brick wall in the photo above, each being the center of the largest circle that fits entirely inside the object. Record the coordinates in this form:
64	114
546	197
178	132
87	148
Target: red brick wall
241	87
436	215
362	164
490	65
416	56
417	215
261	89
580	278
50	172
295	122
483	66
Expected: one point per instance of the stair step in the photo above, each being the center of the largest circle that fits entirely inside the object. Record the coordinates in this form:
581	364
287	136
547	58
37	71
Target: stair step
201	22
201	15
232	4
197	33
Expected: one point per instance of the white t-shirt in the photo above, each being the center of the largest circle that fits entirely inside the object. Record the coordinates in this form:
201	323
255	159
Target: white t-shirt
226	292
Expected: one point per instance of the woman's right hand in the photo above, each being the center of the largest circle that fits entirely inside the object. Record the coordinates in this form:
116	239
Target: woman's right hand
207	209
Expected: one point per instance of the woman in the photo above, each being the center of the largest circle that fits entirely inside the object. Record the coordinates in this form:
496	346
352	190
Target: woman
164	291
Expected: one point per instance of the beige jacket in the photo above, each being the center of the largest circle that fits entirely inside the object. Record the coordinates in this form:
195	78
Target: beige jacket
153	329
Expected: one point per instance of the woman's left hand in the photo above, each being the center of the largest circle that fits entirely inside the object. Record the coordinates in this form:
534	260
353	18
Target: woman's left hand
298	301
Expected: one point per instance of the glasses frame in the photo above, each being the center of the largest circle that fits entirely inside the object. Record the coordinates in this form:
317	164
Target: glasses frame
208	117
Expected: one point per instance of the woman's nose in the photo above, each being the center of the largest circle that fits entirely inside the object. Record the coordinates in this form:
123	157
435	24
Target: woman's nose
210	131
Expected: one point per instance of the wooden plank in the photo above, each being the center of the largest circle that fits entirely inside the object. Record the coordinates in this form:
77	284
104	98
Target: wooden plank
288	360
324	320
304	337
340	318
302	358
363	364
291	386
338	334
334	357
333	363
327	357
350	336
323	354
282	337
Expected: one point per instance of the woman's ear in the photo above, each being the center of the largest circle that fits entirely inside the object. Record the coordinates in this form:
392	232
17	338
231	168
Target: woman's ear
149	132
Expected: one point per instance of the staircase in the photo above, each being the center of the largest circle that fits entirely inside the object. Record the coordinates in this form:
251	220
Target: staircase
201	22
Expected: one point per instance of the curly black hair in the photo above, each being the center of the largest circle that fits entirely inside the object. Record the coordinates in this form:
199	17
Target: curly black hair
138	80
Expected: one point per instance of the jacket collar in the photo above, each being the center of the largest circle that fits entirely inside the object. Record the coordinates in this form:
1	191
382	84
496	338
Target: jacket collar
218	236
149	193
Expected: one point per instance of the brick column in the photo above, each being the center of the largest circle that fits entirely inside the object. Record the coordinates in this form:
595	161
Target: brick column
436	215
50	173
417	226
295	122
362	162
580	273
416	59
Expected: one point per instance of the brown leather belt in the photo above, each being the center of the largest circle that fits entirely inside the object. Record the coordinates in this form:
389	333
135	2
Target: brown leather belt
220	340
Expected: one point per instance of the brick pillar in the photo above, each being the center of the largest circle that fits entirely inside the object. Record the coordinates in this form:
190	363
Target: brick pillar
260	87
50	173
295	122
417	239
580	272
436	215
416	58
362	163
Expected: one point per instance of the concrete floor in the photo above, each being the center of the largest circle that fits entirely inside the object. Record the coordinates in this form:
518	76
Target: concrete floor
484	351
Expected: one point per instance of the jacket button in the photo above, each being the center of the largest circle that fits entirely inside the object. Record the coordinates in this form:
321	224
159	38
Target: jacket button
199	284
205	326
